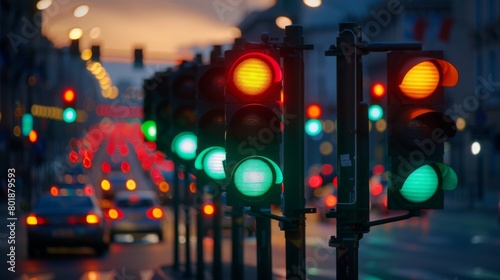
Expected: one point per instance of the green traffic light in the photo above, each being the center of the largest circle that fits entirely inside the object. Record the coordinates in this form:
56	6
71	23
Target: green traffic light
149	130
27	124
375	112
254	176
184	145
421	185
212	163
69	115
313	127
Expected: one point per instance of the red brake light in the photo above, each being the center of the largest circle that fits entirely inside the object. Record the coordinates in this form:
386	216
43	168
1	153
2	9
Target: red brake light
88	190
54	191
377	189
92	218
155	213
33	220
115	214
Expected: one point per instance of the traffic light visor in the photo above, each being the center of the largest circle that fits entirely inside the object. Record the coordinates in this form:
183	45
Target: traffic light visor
211	161
423	77
254	73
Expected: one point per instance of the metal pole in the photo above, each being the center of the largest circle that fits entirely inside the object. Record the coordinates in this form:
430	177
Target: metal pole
175	205
237	236
200	230
187	221
217	262
352	157
293	86
264	253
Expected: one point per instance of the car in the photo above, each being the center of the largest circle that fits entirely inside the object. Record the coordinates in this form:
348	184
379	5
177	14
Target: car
72	189
116	182
136	212
67	221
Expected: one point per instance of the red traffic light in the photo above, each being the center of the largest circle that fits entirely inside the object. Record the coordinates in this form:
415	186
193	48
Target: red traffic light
313	111
378	90
69	96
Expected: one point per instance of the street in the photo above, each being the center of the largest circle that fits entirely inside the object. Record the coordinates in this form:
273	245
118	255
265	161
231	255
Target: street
448	244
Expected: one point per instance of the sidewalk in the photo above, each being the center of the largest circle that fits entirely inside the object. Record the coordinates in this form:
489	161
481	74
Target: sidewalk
250	272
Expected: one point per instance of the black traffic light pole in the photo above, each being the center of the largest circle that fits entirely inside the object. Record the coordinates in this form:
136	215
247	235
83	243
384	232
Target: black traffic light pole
175	205
352	156
352	212
187	218
294	200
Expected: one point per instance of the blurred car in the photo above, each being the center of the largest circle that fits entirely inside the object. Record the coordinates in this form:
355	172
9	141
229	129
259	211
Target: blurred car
136	212
67	221
115	182
75	175
72	189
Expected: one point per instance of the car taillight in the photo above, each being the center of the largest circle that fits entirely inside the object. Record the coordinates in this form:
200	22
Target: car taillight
105	185
33	220
115	214
155	213
92	218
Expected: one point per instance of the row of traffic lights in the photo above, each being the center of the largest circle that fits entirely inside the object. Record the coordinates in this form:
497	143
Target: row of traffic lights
226	119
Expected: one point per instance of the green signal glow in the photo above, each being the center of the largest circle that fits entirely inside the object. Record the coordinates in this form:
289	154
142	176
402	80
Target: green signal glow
421	185
69	115
27	124
184	145
212	163
450	177
375	112
253	177
149	130
313	127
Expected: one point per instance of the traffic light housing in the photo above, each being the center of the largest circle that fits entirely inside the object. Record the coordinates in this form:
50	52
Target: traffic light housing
253	127
313	126
184	116
211	126
418	128
157	120
69	100
148	126
376	108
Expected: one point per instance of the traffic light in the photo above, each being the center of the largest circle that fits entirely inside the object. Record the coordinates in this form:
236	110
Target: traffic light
69	100
27	124
418	128
211	125
313	125
184	117
377	94
253	127
148	126
157	124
